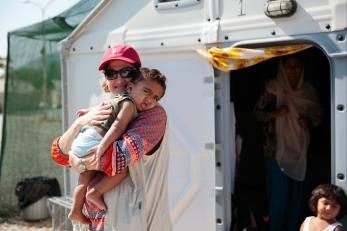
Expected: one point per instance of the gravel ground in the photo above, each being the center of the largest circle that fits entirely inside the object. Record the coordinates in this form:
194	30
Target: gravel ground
18	224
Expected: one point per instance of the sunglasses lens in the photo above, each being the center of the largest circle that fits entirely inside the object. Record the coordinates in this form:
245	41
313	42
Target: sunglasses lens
111	74
126	72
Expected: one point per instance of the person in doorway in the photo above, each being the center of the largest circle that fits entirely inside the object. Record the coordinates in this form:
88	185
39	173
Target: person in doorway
327	202
144	137
143	92
287	110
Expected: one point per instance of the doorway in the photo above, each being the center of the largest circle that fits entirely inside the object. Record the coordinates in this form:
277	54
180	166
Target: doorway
246	86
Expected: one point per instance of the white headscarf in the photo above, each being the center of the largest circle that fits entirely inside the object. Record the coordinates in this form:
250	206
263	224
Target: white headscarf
292	140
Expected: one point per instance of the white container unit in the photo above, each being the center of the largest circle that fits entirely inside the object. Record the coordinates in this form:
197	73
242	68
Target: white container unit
207	109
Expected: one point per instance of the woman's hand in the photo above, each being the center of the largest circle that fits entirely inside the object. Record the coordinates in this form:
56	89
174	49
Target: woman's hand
82	111
74	162
90	162
95	116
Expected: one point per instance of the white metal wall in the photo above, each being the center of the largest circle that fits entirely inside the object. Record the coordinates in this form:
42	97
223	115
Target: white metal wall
189	102
167	39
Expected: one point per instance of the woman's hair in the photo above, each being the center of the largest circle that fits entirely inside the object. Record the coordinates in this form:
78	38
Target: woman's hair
136	65
331	192
104	86
153	75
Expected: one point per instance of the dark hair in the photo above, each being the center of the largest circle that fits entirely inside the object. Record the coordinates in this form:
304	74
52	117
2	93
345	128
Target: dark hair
331	192
153	75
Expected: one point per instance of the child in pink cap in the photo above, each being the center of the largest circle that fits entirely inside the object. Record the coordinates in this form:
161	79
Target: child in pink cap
134	90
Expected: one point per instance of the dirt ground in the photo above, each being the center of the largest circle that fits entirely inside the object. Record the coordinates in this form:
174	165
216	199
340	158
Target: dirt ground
18	224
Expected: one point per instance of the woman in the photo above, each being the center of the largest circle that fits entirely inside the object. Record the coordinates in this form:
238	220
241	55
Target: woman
140	201
288	109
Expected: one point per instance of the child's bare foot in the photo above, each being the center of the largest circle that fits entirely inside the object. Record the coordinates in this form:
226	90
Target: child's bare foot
78	216
96	198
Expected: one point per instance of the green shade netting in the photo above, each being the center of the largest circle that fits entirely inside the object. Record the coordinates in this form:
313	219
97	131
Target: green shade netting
33	115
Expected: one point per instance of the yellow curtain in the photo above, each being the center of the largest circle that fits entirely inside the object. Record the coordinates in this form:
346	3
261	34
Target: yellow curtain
234	58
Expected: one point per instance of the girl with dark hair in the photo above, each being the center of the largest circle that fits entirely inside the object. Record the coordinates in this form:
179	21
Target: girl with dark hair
327	203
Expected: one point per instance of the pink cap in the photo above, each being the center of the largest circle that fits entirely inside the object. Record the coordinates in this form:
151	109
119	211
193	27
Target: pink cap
120	52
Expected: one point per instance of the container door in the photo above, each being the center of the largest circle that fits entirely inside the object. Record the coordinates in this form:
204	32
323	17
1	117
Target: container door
189	102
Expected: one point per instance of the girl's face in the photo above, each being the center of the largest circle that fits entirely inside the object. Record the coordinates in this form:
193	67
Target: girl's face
146	94
118	85
327	209
293	68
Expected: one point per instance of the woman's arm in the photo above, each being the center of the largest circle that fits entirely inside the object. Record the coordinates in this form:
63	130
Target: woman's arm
61	145
93	117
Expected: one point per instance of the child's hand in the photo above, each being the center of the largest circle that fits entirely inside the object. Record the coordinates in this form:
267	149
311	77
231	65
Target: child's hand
97	150
100	151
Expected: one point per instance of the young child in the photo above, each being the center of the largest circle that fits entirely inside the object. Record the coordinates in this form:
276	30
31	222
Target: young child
144	91
327	202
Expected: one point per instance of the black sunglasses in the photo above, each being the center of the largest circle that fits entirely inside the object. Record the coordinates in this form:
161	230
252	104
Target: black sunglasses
126	72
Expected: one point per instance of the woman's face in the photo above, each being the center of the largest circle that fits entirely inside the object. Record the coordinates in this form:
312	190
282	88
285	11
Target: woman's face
293	68
118	85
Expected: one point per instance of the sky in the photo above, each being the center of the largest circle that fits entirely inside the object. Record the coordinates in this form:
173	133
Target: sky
15	14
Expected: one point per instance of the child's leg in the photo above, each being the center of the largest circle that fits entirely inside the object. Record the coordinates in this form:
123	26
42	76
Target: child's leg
79	197
95	195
